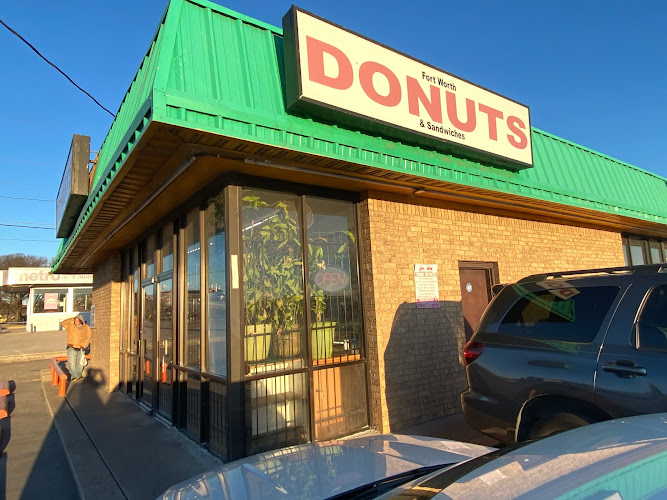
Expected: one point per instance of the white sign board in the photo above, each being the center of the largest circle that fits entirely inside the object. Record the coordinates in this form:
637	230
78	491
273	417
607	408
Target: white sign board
50	301
92	316
426	286
43	276
343	71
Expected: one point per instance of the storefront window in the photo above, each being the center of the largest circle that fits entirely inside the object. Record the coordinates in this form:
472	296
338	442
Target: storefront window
272	282
626	256
134	330
655	252
83	299
279	411
192	336
149	257
214	230
49	300
637	253
167	249
335	299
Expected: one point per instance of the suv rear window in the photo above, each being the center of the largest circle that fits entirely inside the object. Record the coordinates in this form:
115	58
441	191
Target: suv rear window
652	324
555	311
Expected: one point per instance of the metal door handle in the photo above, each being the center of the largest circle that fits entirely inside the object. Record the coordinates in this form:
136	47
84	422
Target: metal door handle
166	346
624	368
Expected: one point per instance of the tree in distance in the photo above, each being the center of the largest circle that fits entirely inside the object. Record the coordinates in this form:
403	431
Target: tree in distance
12	308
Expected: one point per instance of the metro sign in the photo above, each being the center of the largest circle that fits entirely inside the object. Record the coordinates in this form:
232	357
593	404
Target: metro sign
339	75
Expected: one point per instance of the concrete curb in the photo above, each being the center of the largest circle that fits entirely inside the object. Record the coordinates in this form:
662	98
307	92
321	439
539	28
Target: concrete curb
91	474
18	358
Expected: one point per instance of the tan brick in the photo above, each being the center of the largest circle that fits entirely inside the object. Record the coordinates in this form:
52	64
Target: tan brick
105	339
413	353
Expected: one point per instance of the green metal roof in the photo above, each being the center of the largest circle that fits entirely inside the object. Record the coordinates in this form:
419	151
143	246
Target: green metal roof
215	70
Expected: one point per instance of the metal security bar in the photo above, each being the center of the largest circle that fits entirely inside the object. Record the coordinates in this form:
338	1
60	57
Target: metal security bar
277	412
337	330
217	430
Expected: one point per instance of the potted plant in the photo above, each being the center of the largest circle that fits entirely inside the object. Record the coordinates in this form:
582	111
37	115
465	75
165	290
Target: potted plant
322	331
272	279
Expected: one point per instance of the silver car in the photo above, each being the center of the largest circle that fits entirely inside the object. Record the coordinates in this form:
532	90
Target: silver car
617	459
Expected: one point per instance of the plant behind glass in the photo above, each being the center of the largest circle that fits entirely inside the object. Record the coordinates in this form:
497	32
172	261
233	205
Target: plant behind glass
272	271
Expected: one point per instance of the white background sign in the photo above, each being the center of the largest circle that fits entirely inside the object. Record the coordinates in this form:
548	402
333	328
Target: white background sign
426	286
42	276
92	316
345	71
50	301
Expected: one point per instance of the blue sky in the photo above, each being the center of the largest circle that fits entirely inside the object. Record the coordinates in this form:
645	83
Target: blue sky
591	72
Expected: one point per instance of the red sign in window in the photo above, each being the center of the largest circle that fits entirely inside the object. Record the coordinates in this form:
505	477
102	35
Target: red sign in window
332	279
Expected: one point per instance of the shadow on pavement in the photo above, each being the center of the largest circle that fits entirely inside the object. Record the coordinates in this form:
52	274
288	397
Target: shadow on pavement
5	436
114	446
32	461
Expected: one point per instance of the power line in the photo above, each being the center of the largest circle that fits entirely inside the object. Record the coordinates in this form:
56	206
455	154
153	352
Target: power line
30	227
29	222
55	67
19	239
27	199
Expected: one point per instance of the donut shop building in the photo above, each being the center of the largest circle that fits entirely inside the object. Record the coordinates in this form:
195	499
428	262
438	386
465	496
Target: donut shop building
293	231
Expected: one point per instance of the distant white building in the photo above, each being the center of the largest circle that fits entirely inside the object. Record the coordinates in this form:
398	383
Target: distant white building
52	297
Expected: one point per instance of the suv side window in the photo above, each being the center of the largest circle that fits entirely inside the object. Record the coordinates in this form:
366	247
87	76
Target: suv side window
564	314
652	322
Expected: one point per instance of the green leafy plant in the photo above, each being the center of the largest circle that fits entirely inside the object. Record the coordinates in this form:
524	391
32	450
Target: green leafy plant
273	267
316	262
272	270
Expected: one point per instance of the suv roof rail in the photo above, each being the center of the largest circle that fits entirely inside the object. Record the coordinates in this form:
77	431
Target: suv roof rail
643	269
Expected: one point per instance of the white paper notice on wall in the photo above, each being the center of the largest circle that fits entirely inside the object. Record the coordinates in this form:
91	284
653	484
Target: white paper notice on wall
92	316
426	286
235	271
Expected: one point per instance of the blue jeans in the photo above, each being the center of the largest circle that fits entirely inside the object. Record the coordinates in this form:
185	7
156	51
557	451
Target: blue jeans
74	362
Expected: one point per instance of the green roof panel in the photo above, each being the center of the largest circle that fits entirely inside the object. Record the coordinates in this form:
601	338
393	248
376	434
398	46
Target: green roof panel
226	77
213	69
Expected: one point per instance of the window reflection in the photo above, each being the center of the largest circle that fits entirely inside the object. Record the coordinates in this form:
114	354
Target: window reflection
83	299
49	300
217	291
193	295
272	281
149	257
335	299
637	254
167	250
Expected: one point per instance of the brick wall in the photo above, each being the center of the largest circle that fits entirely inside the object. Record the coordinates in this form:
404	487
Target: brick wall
105	339
416	370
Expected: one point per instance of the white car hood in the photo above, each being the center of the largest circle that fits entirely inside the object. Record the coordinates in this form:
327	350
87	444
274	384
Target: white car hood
321	470
617	459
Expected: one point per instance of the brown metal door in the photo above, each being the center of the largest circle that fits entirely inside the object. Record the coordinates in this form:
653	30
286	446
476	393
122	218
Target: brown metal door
475	296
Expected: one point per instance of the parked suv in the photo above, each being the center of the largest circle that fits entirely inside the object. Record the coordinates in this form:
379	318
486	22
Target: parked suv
561	350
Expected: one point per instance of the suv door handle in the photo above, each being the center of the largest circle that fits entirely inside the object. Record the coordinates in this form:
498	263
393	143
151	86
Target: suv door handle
625	369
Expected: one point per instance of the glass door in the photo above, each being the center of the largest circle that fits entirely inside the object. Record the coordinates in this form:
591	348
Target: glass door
165	349
147	342
133	347
304	341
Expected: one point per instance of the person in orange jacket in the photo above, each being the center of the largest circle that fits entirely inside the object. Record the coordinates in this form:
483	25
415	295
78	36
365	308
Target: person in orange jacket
78	338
